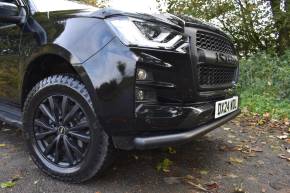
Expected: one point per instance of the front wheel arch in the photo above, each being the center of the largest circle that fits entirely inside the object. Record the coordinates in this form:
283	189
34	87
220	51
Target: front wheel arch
52	57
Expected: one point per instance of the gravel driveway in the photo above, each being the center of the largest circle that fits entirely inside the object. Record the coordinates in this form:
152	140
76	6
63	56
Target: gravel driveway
239	157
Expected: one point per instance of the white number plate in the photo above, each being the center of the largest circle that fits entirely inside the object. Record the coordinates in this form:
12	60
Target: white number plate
225	107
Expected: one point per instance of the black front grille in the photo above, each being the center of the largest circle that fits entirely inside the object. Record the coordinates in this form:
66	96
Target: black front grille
215	76
209	41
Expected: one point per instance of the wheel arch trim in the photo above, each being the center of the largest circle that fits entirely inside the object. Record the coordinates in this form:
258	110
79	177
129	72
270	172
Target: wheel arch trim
65	54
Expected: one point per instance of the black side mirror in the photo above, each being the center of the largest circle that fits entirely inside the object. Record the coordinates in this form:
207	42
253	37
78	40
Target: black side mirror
10	13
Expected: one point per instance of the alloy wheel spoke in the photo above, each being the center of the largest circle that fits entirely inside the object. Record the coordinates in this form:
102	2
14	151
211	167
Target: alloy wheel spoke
82	125
68	151
46	112
43	125
64	106
49	147
81	137
52	108
43	135
71	113
56	155
74	148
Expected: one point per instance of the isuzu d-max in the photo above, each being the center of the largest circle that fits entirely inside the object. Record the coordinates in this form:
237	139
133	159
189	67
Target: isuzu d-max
83	82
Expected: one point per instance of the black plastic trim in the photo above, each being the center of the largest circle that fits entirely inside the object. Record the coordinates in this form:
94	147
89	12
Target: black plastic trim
172	139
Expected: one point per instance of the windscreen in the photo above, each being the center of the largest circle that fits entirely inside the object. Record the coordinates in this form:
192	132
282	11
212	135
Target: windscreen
139	6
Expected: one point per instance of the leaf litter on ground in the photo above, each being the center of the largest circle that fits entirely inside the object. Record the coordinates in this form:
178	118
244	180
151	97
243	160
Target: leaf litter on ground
235	160
164	165
171	150
11	183
192	181
283	156
2	145
8	184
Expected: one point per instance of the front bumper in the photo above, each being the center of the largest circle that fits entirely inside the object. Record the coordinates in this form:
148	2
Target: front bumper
160	126
182	137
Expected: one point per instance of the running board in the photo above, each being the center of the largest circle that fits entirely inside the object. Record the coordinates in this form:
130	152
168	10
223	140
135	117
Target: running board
11	115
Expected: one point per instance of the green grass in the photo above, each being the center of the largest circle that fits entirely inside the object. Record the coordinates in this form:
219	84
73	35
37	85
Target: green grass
265	84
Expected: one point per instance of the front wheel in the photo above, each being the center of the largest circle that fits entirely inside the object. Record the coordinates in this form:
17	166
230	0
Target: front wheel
62	131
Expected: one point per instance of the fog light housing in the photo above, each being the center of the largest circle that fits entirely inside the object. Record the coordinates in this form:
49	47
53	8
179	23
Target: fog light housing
140	95
141	74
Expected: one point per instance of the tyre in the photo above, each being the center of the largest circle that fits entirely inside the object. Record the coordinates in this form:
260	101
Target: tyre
64	137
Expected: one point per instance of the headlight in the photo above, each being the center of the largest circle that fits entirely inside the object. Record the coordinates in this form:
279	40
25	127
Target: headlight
135	32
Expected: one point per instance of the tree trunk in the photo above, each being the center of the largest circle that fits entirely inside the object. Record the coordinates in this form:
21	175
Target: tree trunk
282	23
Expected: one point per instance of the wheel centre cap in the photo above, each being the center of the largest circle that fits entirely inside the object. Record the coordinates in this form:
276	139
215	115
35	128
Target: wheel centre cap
62	130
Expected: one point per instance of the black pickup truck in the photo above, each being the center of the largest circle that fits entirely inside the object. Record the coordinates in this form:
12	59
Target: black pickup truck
83	82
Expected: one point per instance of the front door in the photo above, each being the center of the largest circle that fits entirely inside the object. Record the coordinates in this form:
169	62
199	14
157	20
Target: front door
10	37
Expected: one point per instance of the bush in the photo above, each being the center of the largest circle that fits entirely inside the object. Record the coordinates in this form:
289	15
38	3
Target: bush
265	84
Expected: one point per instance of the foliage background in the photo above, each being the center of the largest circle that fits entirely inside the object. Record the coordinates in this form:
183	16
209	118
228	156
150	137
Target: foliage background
265	84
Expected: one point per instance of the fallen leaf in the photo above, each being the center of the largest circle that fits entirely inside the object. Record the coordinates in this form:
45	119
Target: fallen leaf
234	160
282	137
283	156
197	186
2	145
203	172
232	175
171	150
227	128
8	184
212	186
164	165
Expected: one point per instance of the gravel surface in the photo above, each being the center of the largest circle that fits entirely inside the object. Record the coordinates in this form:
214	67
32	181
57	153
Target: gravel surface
236	158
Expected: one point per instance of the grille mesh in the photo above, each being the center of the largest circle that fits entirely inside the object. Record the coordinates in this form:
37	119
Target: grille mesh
215	76
213	42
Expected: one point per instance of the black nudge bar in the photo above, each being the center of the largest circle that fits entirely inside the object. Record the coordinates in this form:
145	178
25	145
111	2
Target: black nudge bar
179	138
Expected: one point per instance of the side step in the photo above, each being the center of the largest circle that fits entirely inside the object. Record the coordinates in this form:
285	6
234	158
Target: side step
11	115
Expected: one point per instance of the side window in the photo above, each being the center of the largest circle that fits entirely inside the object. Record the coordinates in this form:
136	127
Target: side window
8	8
9	1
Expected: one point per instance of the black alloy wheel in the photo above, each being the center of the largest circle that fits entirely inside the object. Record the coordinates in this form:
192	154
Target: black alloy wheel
62	131
63	134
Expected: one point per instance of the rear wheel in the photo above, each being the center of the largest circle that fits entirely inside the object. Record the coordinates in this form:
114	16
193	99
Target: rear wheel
63	134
